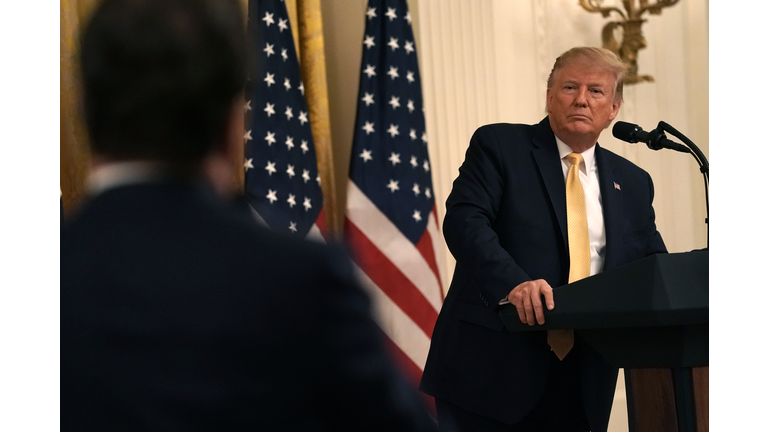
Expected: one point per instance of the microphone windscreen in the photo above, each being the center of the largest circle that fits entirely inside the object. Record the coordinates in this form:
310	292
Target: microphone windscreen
626	131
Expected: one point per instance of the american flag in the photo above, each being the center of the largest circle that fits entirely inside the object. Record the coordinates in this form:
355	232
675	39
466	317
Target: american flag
282	183
391	223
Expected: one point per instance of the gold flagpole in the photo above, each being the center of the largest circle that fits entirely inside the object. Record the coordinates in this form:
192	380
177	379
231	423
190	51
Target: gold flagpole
313	73
74	153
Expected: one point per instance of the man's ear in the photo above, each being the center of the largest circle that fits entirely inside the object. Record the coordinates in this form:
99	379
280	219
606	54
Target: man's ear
232	141
546	102
614	112
224	165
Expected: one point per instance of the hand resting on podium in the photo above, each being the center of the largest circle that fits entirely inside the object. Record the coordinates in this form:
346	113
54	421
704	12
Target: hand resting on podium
526	297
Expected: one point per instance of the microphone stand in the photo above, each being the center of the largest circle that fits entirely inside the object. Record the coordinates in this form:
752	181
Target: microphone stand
654	143
682	377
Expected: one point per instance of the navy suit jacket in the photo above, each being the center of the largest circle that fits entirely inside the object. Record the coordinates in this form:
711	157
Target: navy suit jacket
179	313
505	224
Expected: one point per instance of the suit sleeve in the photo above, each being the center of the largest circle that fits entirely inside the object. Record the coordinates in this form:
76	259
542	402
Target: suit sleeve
471	212
655	244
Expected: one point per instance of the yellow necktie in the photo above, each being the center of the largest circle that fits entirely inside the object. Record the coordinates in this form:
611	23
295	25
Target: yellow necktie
561	341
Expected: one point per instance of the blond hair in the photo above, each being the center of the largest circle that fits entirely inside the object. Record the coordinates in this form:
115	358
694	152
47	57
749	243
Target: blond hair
600	57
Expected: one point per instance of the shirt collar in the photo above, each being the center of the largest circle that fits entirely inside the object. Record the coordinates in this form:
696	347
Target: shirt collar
115	174
588	154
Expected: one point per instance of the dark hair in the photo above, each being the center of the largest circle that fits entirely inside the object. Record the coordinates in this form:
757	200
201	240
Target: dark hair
160	76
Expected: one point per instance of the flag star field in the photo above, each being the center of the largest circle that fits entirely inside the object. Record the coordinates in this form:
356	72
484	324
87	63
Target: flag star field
390	163
282	182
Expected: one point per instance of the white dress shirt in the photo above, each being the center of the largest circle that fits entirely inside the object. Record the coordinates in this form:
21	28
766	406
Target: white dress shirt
111	175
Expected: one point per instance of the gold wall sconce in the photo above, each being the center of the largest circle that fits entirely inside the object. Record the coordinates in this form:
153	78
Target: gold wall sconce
630	36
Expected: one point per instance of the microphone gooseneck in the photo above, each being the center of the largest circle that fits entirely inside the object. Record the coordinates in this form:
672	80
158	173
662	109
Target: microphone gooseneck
657	140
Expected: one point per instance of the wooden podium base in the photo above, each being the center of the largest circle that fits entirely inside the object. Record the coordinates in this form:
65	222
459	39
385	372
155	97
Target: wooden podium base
668	400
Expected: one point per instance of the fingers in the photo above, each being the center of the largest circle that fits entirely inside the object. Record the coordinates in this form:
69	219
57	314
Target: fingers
549	297
536	301
520	309
521	298
527	300
529	310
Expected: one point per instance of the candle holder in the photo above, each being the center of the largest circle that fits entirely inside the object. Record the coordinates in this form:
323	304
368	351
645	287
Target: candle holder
625	37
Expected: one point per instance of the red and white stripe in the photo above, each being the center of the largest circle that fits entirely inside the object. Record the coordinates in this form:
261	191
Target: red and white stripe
403	279
319	230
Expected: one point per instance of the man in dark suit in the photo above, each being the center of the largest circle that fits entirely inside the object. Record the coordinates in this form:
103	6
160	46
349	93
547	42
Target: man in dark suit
179	312
509	226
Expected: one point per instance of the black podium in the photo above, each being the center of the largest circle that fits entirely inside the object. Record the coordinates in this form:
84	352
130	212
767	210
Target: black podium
650	317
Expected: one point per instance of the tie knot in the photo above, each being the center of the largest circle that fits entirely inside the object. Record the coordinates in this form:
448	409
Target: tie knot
575	158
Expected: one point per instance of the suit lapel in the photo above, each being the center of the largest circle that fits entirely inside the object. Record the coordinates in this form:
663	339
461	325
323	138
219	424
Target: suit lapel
613	204
548	161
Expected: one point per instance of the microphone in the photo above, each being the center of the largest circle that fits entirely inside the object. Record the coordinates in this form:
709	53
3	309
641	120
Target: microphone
655	139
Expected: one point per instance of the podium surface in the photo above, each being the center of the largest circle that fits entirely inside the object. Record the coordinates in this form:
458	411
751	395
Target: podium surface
653	312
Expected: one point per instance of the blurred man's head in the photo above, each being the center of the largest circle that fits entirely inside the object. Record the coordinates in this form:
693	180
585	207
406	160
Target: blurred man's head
160	77
584	94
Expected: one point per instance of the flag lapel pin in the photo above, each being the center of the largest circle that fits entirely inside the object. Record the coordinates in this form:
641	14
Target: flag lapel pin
616	186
